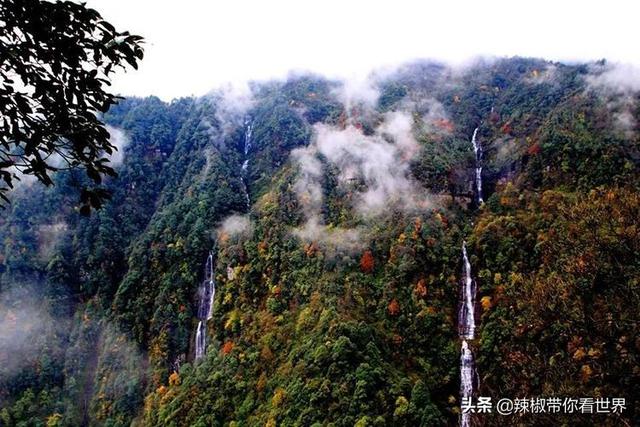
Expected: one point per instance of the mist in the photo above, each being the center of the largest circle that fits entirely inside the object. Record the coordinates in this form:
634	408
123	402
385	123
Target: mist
235	226
120	140
374	168
27	325
619	85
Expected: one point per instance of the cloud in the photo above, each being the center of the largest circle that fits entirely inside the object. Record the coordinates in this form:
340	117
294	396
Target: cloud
618	77
357	91
235	226
619	84
548	75
228	105
379	161
435	119
374	169
49	235
232	103
26	327
120	139
331	238
625	121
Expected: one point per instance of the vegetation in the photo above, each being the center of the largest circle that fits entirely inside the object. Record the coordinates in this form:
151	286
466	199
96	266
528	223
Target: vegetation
55	61
323	330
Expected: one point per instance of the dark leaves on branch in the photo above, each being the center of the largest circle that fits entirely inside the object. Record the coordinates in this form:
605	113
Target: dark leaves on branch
56	59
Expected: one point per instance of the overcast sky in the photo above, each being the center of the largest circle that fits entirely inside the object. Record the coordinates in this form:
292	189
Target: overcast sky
194	46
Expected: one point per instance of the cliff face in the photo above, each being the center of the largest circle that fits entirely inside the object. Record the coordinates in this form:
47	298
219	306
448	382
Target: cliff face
335	214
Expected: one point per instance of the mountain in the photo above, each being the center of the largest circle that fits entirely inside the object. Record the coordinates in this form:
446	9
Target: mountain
292	254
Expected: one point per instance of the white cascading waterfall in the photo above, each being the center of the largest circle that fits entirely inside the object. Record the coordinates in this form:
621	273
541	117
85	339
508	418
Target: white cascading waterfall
206	295
467	367
466	331
248	130
477	149
466	314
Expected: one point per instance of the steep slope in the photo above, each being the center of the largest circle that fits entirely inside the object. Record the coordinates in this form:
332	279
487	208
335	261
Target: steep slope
337	287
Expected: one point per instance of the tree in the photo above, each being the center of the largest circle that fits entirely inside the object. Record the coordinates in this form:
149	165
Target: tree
367	263
55	62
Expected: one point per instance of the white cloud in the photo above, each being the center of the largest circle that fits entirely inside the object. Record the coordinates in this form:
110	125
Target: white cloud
233	101
374	168
193	46
357	91
236	225
619	78
619	84
120	139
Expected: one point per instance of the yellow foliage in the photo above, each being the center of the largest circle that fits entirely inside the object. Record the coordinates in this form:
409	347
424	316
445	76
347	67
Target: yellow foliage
497	278
234	317
579	354
303	319
54	420
278	397
227	298
586	372
595	353
486	303
174	379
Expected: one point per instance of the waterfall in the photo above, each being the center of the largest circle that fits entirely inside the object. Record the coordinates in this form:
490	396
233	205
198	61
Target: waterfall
467	366
466	314
248	130
466	331
206	295
201	339
477	149
247	136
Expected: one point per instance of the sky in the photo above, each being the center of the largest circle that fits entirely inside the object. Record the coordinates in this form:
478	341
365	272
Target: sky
194	46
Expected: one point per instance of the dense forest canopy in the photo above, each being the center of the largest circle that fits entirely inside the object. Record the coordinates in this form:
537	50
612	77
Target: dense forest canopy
335	214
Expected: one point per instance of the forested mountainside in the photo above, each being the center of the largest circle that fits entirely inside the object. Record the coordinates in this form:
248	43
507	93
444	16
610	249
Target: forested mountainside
293	255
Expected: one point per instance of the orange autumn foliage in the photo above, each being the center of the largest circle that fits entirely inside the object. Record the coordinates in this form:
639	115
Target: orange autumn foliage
262	248
417	227
534	149
367	263
394	307
444	125
421	288
227	347
311	249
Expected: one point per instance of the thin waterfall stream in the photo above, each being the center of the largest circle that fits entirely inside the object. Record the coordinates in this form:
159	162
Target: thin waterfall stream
248	131
206	296
466	309
477	150
466	331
